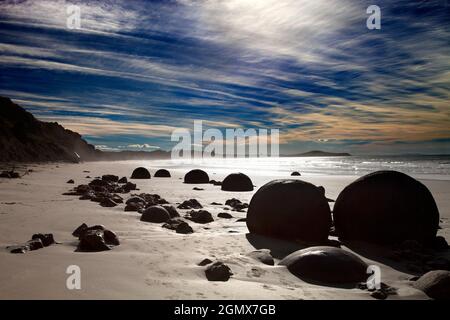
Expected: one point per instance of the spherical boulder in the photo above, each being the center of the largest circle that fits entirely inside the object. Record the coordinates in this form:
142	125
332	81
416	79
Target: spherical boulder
196	176
328	265
386	207
289	209
140	173
237	182
162	173
155	214
436	284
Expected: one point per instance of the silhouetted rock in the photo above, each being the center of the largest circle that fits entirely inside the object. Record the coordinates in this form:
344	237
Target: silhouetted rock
71	181
155	214
123	180
295	174
435	284
326	265
162	173
290	209
200	216
440	244
110	178
225	215
241	220
218	271
77	232
171	210
20	249
262	255
190	204
134	206
92	241
386	207
107	202
129	186
237	182
236	204
35	244
140	173
110	237
198	189
196	176
204	262
46	239
184	228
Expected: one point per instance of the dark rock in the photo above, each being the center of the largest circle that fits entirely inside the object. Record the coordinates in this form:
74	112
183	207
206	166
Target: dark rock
435	284
326	265
241	220
236	204
172	223
162	173
190	204
440	244
290	209
20	249
110	178
92	241
129	187
88	196
35	244
123	180
46	239
379	294
71	181
140	173
218	271
237	182
155	214
386	207
134	206
171	210
99	182
295	174
196	176
107	202
225	215
77	232
135	199
216	204
198	189
215	183
116	198
111	238
200	216
204	262
262	255
184	228
9	174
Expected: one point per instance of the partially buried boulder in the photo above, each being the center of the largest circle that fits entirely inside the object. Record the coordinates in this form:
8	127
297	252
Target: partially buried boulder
171	210
46	239
295	174
155	214
237	182
289	209
199	216
386	207
262	255
190	204
196	176
92	241
162	173
140	173
328	265
218	271
435	284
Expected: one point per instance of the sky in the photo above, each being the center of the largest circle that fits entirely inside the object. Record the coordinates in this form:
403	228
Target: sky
136	71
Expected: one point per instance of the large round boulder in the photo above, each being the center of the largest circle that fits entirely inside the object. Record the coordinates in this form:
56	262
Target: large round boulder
140	173
328	265
386	207
162	173
237	182
196	176
155	214
289	209
436	284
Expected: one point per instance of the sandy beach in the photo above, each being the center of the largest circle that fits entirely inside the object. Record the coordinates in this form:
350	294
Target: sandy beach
153	262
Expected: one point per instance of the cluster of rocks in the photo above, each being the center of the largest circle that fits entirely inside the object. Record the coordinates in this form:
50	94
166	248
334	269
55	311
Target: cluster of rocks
236	204
95	238
38	241
104	190
169	216
139	202
10	174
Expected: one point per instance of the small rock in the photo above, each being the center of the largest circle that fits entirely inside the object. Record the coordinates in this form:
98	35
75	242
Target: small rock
106	202
262	255
110	178
133	206
236	204
92	241
20	249
241	220
46	239
225	215
200	216
295	174
216	204
218	271
71	181
123	180
184	228
379	294
198	189
77	232
204	262
111	238
171	210
155	214
35	244
190	204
